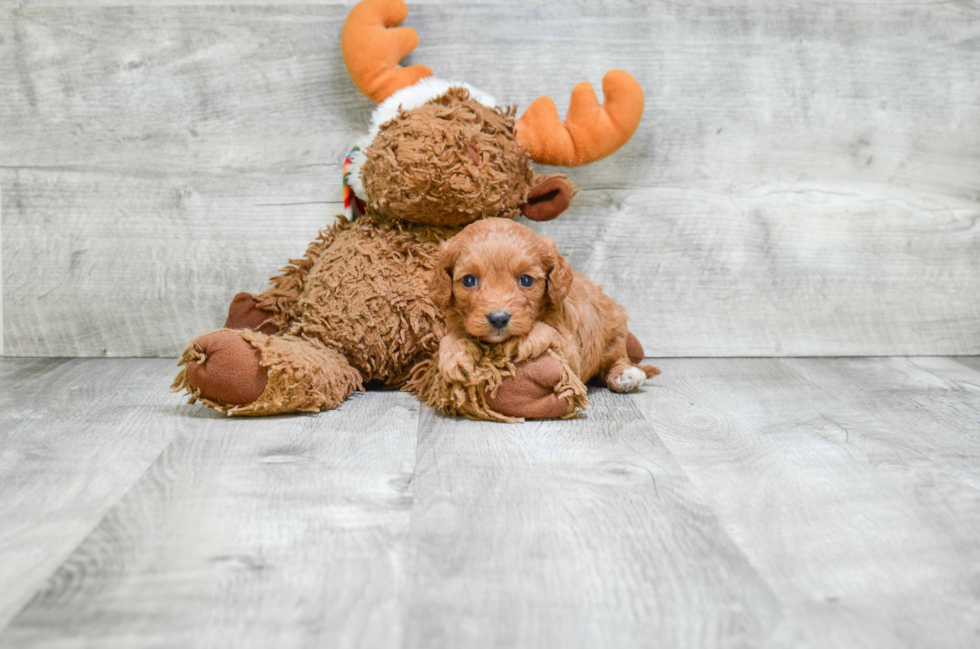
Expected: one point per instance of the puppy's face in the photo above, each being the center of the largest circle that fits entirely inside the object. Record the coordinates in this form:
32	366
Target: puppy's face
496	277
498	291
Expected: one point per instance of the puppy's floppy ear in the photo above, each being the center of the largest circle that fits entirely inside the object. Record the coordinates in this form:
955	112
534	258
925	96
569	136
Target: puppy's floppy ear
441	283
548	197
559	274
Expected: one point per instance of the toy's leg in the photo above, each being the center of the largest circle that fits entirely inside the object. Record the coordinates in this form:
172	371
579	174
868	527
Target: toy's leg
244	313
223	367
243	372
530	393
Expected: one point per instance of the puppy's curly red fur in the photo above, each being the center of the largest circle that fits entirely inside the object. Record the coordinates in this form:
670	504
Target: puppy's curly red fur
500	282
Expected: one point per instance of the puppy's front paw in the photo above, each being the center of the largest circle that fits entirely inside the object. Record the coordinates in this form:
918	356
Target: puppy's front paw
456	369
630	379
457	358
532	348
540	339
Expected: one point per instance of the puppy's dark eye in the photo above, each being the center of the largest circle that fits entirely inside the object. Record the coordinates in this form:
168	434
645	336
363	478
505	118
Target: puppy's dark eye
527	281
469	281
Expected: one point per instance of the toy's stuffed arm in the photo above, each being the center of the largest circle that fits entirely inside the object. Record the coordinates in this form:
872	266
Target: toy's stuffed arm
495	388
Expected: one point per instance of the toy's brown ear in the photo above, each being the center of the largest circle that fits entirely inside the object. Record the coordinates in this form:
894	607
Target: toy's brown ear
548	197
559	275
441	284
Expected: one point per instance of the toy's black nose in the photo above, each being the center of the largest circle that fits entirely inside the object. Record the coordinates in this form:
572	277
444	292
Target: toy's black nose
498	319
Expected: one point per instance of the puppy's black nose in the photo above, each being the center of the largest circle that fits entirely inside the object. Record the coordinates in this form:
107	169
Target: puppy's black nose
498	319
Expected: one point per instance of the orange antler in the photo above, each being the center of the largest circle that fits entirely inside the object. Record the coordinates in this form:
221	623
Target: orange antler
372	49
591	131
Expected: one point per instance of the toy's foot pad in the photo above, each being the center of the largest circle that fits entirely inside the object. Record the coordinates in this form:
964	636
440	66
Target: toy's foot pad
530	393
227	369
634	350
244	313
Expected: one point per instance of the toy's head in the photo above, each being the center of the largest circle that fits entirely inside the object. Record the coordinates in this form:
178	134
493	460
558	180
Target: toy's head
444	153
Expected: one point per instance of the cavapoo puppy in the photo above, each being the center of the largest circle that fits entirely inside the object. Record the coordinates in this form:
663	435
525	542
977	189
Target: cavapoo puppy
500	282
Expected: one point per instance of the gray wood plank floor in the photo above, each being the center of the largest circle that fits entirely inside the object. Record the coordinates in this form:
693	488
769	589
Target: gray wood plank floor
733	502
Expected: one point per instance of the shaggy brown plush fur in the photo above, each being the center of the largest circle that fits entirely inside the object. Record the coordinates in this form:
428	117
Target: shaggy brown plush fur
472	397
449	162
362	290
301	375
355	307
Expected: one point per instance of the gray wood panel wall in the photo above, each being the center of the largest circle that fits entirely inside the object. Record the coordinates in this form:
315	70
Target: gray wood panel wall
806	179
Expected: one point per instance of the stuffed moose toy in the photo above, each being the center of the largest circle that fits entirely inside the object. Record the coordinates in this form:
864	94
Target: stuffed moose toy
439	155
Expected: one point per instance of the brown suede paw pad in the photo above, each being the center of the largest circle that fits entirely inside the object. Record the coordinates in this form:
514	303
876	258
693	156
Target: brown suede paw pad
634	350
227	369
530	393
244	313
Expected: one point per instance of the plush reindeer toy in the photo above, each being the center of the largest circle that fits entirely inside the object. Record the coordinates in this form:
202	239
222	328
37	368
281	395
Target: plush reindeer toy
438	156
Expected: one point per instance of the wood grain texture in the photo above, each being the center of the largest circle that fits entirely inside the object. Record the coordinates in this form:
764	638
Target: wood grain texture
733	502
74	436
934	401
851	485
160	200
804	182
573	534
261	532
785	270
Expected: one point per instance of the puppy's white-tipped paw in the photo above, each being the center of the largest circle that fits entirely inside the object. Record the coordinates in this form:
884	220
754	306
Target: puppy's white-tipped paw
629	380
